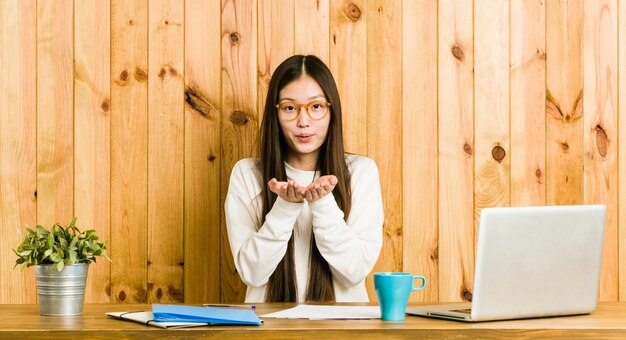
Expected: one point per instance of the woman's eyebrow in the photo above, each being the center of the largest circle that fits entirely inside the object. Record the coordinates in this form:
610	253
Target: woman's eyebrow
293	100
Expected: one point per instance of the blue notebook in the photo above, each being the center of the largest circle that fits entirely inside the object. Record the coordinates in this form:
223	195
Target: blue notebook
227	316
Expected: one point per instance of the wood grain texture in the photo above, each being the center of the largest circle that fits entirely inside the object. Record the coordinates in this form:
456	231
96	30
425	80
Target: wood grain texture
165	159
312	28
275	44
23	322
405	72
492	167
202	152
240	122
55	112
528	93
456	150
419	144
18	115
92	107
600	118
129	151
621	231
384	116
564	107
348	62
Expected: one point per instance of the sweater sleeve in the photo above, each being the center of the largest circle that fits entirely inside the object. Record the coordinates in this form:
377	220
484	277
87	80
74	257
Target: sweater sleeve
351	249
256	252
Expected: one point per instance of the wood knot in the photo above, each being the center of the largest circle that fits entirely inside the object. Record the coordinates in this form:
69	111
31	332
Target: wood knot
538	173
35	193
105	106
238	118
498	153
131	22
162	73
434	255
159	293
211	158
353	11
141	296
467	149
564	147
602	141
124	76
458	53
198	102
541	54
121	296
140	75
173	72
167	22
234	38
177	294
467	295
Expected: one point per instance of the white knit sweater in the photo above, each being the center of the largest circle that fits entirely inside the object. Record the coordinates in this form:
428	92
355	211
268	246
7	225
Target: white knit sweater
351	249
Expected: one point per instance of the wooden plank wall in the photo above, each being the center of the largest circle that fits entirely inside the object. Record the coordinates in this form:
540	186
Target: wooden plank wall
131	113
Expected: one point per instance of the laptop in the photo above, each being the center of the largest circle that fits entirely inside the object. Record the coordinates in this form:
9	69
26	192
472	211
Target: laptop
532	262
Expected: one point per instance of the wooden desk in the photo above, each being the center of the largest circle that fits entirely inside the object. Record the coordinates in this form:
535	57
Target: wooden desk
24	322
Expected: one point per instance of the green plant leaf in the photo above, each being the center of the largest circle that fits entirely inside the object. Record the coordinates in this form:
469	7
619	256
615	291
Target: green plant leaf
60	251
63	243
50	240
60	245
54	257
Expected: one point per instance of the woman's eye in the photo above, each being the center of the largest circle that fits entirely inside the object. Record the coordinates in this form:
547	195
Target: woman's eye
289	108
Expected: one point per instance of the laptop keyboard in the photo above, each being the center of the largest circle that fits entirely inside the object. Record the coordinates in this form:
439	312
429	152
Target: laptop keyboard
465	311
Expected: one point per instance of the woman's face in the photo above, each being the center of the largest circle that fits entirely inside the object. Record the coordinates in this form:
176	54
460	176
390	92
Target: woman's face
303	134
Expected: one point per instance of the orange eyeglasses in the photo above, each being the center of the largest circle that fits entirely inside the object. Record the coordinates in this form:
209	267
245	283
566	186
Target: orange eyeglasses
316	109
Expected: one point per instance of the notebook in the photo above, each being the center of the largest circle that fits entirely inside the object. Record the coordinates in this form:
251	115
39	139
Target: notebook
222	316
147	318
532	262
179	316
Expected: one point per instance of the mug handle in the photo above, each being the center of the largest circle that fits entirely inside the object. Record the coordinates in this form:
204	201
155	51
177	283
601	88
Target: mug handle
423	282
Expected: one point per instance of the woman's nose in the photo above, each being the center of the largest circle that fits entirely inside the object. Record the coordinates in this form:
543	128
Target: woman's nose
303	118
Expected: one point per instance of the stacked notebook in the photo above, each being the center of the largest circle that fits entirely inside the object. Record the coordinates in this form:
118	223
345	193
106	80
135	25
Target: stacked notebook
178	316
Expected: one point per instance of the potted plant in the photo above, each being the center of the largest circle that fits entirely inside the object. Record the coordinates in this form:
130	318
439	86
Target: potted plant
61	256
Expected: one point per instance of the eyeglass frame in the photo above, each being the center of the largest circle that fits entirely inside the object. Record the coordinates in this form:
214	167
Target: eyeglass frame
306	106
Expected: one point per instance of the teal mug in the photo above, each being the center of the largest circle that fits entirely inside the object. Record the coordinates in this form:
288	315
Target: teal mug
393	290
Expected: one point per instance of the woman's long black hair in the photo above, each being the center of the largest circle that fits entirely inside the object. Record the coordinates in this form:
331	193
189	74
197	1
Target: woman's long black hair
282	284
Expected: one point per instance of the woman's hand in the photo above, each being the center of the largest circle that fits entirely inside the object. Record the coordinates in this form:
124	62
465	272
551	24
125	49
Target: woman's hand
320	188
289	191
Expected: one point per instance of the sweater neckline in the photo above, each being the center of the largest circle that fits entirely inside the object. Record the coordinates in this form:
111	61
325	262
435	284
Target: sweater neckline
302	177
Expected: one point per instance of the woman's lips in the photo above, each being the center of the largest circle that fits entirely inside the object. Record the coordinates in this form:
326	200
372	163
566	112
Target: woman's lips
304	138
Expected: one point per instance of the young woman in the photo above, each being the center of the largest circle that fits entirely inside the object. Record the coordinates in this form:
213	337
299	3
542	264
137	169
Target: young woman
304	219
